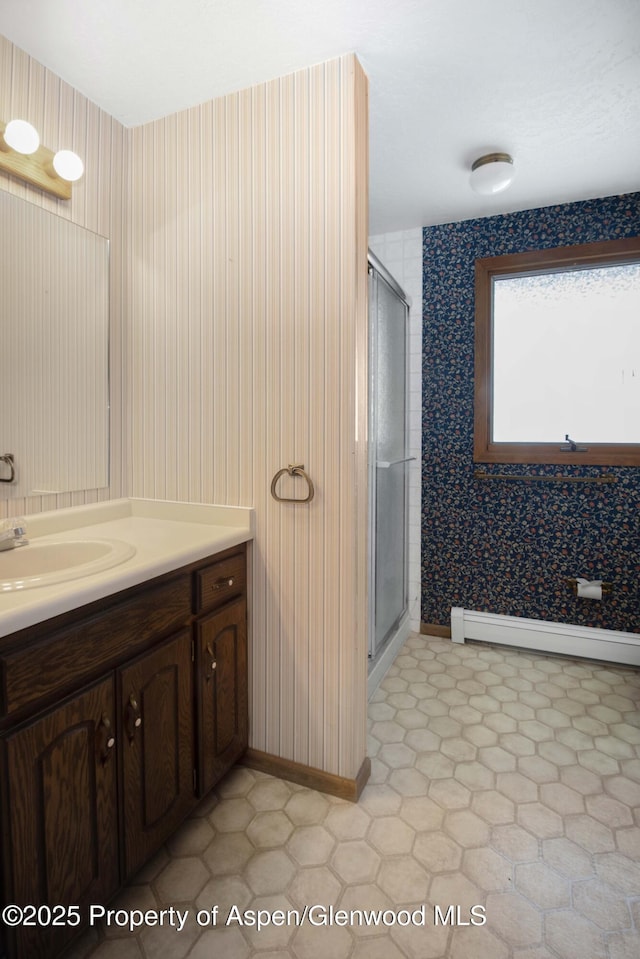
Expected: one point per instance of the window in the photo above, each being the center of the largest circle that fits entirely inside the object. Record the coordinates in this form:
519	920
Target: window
558	355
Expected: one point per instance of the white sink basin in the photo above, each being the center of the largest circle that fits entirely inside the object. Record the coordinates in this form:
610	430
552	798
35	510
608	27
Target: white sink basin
43	564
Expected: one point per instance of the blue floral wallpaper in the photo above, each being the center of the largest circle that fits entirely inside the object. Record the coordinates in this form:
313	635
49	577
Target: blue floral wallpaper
500	546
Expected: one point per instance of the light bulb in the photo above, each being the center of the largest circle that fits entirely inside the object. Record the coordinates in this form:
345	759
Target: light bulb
68	165
21	136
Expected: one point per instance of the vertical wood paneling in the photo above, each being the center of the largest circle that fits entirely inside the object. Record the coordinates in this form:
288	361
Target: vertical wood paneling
355	210
260	655
239	265
302	426
233	360
334	253
273	399
66	118
246	318
201	475
247	349
289	518
317	546
184	317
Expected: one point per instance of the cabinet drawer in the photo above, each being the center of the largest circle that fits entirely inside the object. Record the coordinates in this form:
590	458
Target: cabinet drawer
220	582
80	651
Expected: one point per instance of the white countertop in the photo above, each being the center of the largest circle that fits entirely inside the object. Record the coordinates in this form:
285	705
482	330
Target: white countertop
165	536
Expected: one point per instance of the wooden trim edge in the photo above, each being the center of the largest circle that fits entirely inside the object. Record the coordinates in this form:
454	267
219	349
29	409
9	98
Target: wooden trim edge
362	778
309	776
433	629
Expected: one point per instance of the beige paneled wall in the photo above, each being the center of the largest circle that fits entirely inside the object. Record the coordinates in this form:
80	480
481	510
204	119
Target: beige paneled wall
247	241
238	238
65	118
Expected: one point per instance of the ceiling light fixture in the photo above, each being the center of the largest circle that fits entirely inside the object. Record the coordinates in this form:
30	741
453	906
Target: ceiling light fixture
22	155
492	173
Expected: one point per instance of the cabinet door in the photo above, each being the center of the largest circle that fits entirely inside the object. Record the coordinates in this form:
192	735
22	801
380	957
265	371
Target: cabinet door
62	813
157	746
222	696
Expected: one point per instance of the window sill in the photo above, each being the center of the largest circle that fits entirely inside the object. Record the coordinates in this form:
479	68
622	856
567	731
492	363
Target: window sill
540	453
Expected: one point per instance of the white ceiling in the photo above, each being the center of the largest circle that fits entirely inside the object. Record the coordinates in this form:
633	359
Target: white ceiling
556	83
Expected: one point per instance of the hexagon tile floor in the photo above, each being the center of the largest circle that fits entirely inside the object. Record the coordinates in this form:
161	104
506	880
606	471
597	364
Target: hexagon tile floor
502	779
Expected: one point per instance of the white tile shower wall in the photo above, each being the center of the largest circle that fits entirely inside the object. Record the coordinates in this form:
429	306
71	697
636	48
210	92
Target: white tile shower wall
401	254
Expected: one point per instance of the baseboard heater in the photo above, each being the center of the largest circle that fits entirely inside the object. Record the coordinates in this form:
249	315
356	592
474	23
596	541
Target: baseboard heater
583	641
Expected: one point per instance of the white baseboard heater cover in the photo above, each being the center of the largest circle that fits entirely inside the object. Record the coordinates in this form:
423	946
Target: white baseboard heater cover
582	641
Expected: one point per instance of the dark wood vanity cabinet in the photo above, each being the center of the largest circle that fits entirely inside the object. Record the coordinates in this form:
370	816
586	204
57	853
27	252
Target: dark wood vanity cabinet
156	747
112	751
221	652
62	812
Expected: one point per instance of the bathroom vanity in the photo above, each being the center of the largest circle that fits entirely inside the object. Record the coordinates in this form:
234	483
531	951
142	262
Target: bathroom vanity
118	714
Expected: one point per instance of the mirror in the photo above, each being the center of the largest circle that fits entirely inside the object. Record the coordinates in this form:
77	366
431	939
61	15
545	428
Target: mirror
54	349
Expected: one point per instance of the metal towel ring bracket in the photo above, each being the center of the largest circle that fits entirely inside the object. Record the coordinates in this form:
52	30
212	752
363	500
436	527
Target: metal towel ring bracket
297	470
8	459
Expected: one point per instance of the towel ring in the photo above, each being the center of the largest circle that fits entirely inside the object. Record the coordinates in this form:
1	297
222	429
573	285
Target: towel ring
292	470
8	459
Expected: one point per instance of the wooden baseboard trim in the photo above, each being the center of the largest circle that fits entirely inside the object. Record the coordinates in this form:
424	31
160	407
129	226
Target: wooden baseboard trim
349	789
433	629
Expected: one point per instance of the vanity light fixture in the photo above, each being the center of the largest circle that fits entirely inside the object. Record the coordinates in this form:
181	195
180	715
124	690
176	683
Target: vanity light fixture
68	165
492	173
21	137
22	156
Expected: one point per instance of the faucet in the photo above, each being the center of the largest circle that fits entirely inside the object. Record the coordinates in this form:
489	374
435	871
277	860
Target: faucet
13	534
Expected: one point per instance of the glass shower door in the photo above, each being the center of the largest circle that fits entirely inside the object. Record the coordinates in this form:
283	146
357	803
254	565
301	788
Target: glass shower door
389	463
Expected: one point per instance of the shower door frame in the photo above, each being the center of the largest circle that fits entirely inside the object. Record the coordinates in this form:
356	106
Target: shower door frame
376	267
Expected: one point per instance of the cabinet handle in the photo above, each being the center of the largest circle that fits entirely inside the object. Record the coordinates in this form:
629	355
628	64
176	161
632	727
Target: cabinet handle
223	582
212	663
106	740
133	719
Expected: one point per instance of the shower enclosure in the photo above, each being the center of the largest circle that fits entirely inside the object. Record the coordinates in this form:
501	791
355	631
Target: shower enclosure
388	459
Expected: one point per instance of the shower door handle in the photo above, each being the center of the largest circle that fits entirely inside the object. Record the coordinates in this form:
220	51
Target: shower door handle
383	465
